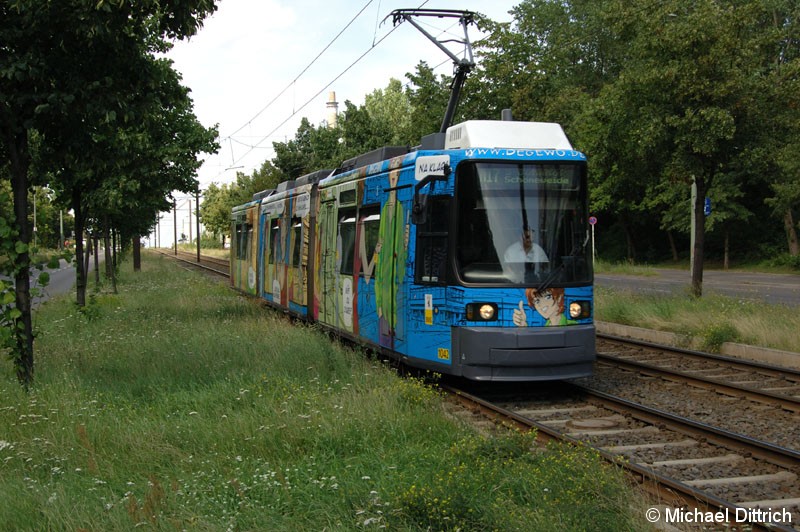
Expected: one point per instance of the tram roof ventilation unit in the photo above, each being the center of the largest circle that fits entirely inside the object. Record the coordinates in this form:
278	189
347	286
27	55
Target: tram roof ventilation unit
506	134
263	194
313	177
372	157
286	185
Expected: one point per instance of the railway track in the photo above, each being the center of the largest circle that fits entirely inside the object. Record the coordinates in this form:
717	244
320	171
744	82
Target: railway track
680	429
745	397
211	264
757	381
686	465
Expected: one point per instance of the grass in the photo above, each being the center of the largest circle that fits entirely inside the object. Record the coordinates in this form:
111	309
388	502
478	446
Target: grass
623	268
179	405
710	320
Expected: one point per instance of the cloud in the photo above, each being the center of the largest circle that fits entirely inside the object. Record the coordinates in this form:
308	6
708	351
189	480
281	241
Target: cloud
250	51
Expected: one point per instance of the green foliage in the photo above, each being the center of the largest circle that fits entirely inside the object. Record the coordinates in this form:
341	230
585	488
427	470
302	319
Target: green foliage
428	98
785	260
714	336
91	310
657	96
184	405
90	110
14	259
704	323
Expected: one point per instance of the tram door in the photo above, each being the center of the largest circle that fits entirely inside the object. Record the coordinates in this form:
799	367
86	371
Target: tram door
327	278
390	292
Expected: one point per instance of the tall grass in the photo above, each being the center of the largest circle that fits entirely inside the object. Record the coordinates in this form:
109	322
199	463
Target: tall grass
179	405
708	321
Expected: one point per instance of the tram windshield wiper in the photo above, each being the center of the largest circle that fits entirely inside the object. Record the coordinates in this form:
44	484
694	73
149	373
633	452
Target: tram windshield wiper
557	270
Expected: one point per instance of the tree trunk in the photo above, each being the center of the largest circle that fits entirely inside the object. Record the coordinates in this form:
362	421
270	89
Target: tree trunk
80	272
672	246
113	261
137	254
699	235
17	146
726	260
791	233
629	240
96	242
86	258
107	245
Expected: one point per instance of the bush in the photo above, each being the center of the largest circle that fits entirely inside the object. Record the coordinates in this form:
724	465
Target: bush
718	334
786	260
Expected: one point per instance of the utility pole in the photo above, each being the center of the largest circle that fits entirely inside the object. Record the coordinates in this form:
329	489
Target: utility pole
197	217
175	220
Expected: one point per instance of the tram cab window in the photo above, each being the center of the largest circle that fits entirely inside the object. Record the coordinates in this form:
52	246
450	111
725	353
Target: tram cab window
521	223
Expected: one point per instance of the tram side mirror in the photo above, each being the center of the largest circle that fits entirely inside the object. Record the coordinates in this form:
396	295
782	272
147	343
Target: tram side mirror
419	209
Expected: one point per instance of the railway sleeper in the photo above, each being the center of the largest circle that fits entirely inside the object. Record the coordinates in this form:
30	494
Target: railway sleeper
728	458
535	414
644	446
781	476
614	432
773	503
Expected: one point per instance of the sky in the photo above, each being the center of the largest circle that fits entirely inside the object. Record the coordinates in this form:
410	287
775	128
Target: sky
257	67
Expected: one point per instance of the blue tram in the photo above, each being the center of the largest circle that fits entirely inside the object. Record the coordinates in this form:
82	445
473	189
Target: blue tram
467	255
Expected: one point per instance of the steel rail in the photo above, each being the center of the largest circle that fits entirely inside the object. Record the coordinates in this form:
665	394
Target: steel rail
664	488
739	363
196	264
786	402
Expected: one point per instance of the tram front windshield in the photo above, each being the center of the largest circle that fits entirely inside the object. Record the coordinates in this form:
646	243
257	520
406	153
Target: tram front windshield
522	224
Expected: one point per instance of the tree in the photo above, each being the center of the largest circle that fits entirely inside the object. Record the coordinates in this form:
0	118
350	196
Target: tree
774	102
390	112
218	202
428	99
69	71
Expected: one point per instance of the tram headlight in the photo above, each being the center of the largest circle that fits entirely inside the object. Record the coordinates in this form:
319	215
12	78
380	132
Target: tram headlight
481	312
580	309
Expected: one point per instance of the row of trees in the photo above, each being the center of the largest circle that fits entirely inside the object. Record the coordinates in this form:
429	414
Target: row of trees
663	94
659	95
91	109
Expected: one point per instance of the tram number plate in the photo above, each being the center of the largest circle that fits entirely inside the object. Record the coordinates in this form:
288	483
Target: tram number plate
444	354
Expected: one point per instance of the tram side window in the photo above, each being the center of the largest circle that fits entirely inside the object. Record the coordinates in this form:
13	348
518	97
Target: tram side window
432	236
346	243
370	233
297	240
275	241
243	235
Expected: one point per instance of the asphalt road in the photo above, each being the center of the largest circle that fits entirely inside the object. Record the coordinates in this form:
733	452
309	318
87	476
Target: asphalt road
783	289
776	289
62	281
